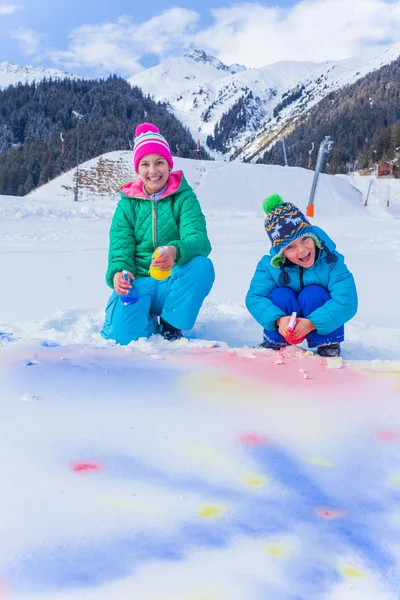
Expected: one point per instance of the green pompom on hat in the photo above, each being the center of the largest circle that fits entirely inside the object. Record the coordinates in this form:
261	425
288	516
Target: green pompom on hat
271	202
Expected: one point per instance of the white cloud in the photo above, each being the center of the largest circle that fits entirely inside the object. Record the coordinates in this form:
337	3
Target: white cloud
118	47
28	39
9	9
247	33
312	30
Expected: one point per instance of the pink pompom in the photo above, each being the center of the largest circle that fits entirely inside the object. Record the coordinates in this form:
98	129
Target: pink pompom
145	127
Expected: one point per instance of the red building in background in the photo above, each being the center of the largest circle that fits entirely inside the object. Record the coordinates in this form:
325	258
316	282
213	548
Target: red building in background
386	169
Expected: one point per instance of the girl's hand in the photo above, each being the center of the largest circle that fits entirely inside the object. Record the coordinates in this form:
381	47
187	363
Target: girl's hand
166	260
121	286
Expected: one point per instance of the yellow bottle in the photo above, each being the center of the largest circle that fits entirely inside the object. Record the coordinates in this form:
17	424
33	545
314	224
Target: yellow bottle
155	272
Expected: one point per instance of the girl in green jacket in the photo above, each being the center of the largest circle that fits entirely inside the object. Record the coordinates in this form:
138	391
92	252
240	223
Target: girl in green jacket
158	211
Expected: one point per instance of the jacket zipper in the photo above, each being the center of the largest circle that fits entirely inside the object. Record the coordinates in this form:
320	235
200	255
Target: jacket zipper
154	223
301	278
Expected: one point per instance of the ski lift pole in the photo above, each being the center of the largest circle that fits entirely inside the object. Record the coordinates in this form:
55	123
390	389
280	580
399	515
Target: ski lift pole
369	190
324	148
76	192
309	155
284	152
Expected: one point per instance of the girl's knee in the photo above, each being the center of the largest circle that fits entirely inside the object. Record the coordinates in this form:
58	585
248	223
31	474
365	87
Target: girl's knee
204	264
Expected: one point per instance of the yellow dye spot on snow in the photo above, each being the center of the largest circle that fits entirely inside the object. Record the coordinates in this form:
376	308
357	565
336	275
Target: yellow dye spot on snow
350	571
318	461
396	480
211	385
255	480
277	550
211	511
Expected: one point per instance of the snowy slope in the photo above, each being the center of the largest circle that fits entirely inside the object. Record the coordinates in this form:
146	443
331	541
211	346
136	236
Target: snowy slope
199	93
131	472
11	74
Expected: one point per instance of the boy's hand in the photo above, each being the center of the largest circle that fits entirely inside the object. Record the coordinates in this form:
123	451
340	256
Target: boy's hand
283	324
303	327
166	261
121	286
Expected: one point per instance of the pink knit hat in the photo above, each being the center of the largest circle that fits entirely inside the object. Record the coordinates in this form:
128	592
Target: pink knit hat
148	140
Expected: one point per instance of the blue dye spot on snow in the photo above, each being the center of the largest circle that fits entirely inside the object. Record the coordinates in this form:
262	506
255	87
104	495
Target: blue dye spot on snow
49	344
291	510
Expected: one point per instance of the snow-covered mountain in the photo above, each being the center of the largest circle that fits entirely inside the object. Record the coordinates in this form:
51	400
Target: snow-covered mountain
200	90
11	74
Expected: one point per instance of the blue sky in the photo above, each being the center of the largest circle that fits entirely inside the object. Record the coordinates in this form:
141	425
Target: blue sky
100	37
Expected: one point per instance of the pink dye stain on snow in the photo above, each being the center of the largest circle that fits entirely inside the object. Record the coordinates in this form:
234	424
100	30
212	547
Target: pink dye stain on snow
87	467
330	515
253	439
288	374
388	435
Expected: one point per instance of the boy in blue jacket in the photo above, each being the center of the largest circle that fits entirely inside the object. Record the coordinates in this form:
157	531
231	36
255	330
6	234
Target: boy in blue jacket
304	274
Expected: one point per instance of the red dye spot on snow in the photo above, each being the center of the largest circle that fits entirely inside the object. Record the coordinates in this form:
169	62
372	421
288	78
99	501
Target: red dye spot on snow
388	435
88	466
253	439
326	513
3	594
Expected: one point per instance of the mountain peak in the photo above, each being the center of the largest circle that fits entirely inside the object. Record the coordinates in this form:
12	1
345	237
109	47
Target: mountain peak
201	56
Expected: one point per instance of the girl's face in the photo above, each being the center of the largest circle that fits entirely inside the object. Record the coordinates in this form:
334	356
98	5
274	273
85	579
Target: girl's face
154	171
301	252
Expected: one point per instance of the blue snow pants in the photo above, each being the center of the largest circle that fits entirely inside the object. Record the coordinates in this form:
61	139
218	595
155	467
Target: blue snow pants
304	303
176	299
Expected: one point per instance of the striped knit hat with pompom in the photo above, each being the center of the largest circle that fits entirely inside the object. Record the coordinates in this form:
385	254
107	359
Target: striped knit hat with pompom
284	223
148	140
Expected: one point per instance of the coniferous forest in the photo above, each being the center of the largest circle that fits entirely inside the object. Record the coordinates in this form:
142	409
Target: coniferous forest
363	120
33	116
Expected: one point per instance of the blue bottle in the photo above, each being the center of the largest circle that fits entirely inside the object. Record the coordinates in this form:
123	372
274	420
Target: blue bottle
133	295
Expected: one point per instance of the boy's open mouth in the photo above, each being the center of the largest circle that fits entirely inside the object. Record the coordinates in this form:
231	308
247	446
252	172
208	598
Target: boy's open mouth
305	259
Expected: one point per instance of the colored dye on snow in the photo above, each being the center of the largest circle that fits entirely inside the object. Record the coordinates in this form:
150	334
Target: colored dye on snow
326	513
388	435
253	439
211	511
87	467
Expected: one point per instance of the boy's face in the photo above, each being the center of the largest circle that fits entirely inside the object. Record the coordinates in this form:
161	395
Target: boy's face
301	252
154	171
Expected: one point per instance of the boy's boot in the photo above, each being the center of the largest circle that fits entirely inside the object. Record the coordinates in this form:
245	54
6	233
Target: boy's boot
269	346
168	331
329	351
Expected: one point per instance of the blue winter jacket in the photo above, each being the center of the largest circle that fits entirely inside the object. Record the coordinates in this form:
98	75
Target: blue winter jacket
334	277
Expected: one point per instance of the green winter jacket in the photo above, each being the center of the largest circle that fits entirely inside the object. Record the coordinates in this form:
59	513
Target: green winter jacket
140	225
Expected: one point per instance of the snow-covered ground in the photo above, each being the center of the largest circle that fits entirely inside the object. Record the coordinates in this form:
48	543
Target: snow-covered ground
181	471
56	250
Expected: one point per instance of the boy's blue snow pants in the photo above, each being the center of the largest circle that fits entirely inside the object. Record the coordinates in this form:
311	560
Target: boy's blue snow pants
176	299
304	303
